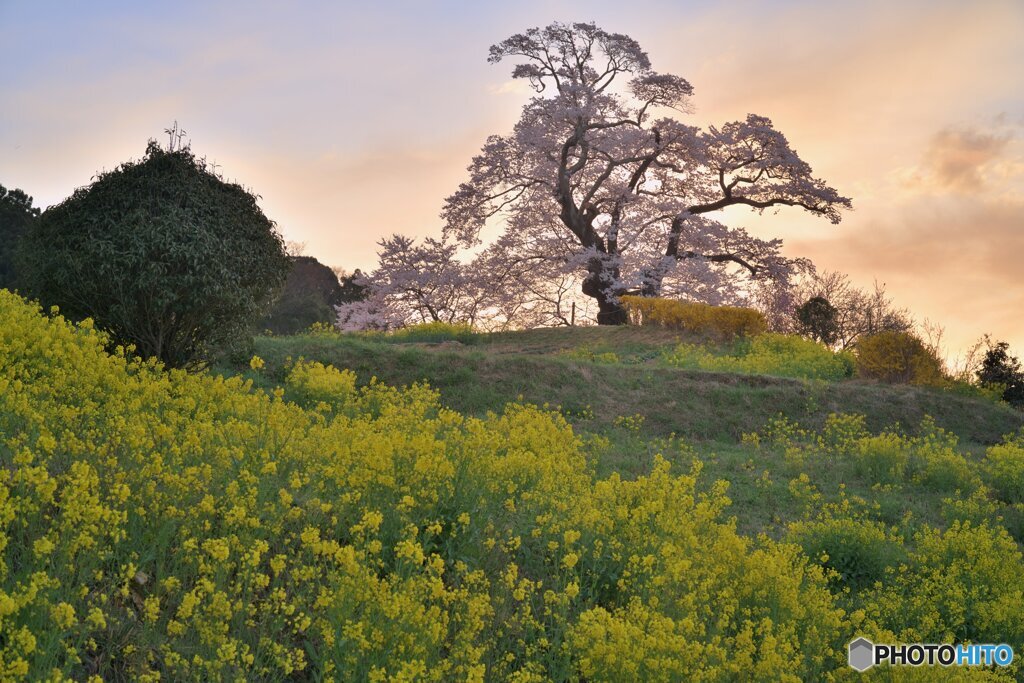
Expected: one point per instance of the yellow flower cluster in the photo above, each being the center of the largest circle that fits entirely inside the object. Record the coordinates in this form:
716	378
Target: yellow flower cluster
434	331
157	525
718	322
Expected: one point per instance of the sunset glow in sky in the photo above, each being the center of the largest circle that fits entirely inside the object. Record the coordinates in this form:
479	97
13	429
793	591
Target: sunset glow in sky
355	120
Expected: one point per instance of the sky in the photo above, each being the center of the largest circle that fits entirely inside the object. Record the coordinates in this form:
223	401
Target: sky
354	121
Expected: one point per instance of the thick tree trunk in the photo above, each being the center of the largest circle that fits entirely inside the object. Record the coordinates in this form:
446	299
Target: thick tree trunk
609	309
611	313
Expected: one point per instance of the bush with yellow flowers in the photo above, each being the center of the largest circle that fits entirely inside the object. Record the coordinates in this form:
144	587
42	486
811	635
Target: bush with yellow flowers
435	331
857	549
963	584
898	357
1004	469
717	322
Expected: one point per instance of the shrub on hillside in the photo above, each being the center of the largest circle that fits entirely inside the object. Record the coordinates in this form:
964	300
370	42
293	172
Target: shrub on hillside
308	297
311	383
719	322
935	463
819	320
942	469
899	358
793	356
160	252
1002	373
858	550
843	433
963	584
882	458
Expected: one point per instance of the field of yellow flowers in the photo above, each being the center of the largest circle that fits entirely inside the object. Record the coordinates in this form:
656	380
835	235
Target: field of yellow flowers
158	525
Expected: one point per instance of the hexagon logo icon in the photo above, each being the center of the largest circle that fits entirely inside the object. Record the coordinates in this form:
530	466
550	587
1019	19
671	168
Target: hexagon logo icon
861	654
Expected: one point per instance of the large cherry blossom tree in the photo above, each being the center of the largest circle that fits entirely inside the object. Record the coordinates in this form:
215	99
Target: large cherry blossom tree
598	183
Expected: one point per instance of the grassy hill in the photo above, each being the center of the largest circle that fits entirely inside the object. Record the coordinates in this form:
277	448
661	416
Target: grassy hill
564	368
633	407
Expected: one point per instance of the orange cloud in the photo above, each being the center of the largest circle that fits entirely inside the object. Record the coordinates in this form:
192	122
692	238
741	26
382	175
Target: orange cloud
957	159
952	259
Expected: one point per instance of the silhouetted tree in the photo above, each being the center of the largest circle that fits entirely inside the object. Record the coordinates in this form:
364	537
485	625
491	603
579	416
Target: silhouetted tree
819	320
309	296
999	368
352	289
859	312
16	217
162	253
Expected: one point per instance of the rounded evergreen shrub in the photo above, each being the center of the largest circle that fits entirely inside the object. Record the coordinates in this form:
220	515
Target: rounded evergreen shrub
161	253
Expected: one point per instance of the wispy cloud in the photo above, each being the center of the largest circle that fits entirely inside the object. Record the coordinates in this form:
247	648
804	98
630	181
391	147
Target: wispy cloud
959	159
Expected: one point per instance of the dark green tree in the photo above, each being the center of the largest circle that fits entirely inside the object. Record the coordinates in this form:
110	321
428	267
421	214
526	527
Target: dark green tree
16	217
353	287
309	296
819	320
999	368
163	254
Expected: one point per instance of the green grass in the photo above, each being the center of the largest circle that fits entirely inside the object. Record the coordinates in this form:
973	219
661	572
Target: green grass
683	414
778	355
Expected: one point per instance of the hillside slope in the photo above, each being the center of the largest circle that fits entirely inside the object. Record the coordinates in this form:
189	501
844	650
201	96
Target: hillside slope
551	367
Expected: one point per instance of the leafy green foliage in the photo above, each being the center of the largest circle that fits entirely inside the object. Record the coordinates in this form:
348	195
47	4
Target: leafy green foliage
162	253
819	320
857	550
1002	371
16	217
